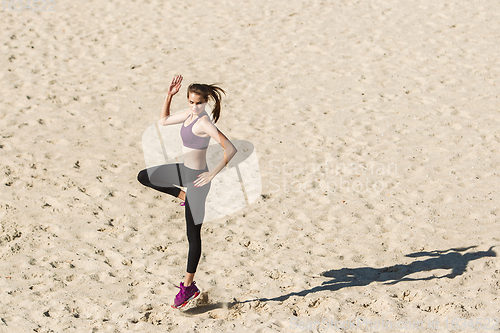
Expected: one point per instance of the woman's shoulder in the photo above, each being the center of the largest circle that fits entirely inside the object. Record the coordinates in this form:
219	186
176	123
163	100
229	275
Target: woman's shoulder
205	122
205	118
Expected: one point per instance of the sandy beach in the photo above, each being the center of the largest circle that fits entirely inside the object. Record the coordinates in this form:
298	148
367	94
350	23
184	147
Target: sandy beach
375	125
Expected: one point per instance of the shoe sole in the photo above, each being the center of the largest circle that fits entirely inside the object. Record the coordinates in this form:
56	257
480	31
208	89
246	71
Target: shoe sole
196	294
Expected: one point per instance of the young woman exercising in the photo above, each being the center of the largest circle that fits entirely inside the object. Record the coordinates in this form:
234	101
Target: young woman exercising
196	131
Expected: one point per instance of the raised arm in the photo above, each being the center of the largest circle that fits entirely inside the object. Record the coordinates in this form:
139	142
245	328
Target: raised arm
165	117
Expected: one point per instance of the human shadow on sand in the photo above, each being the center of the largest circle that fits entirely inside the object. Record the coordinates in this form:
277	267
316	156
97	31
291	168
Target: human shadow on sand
455	259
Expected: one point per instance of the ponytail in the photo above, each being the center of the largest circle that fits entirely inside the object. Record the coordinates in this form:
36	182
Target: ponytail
206	91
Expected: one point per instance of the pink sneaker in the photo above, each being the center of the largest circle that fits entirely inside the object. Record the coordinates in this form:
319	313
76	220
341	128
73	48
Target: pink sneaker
185	295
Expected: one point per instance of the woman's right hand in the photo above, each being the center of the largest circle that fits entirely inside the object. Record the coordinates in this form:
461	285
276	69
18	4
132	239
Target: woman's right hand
175	85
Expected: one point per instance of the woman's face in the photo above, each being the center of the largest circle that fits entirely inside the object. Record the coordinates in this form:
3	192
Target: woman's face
196	103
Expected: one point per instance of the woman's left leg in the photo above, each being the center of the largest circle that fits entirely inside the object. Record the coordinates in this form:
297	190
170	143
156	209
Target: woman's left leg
195	212
194	240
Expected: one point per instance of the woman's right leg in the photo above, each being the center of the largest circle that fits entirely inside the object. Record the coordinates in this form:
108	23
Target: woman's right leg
162	178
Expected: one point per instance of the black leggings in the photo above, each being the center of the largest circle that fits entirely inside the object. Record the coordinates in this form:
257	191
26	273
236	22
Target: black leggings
163	178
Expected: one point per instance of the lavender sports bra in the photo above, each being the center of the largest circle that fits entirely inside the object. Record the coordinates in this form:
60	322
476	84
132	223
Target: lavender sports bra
191	140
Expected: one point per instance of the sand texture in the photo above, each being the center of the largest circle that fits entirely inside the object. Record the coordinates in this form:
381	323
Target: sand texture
375	124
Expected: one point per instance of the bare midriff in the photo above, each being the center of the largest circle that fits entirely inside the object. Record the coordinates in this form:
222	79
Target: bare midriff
195	158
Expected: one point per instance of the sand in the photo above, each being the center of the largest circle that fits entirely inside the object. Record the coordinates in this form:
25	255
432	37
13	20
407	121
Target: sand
375	125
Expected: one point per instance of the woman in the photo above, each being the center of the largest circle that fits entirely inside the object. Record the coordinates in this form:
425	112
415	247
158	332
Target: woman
196	131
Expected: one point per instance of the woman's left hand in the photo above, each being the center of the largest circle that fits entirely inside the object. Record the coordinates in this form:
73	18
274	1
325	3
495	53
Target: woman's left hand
203	179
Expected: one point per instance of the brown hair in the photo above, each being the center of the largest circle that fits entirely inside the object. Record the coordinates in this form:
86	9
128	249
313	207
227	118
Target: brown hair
208	90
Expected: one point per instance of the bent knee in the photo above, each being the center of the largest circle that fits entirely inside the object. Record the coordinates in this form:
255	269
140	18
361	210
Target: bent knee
142	177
